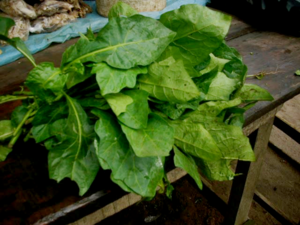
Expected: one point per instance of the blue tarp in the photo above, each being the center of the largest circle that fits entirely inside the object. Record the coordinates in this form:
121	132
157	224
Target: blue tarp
38	42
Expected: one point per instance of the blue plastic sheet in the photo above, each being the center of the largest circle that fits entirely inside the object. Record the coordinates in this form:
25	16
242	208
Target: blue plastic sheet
38	42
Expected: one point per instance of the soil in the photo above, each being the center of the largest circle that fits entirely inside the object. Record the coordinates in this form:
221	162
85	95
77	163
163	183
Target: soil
187	206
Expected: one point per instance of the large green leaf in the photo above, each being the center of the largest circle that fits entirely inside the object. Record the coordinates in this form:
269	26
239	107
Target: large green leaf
235	68
123	43
188	164
118	102
231	141
74	155
91	102
46	81
195	140
112	80
141	175
199	30
45	116
252	92
4	151
168	81
221	88
216	170
121	9
209	111
77	73
155	140
6	129
215	63
136	114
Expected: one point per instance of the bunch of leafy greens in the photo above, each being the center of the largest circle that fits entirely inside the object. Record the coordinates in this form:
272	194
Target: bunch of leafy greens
140	91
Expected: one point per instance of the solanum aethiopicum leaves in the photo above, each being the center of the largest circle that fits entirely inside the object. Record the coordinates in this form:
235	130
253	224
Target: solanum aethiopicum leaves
131	107
74	156
6	129
195	140
150	141
142	37
199	30
168	81
121	9
209	111
221	88
219	170
91	102
45	116
214	63
46	81
252	92
235	68
112	80
231	141
142	175
188	164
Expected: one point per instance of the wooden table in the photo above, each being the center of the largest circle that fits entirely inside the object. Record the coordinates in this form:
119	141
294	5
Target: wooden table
28	196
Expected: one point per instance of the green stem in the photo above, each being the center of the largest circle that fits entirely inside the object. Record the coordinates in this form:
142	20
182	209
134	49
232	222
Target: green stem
23	93
15	138
15	98
28	135
27	115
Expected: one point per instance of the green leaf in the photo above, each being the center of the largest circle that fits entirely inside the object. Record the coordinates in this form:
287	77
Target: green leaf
4	151
155	140
118	102
136	114
215	63
203	82
209	111
297	72
76	74
174	52
17	43
199	30
188	164
221	88
74	155
252	92
123	43
231	141
45	117
6	129
90	34
169	82
112	80
46	81
121	9
219	170
170	109
195	140
91	102
141	175
18	115
235	68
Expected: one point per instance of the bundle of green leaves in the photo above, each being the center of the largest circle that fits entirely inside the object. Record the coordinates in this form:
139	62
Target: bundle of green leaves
141	91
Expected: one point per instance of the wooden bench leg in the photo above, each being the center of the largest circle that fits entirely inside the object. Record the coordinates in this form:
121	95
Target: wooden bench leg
243	186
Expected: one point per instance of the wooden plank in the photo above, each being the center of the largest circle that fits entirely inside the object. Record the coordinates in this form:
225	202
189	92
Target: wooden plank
285	144
243	187
290	113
